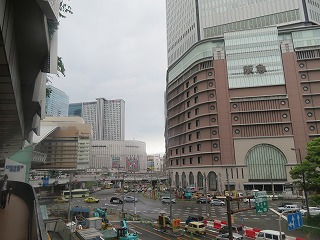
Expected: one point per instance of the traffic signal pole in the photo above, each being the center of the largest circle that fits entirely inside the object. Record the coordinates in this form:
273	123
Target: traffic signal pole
230	211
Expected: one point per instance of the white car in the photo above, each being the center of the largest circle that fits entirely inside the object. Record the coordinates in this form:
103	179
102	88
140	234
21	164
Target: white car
166	199
289	208
217	202
312	210
130	199
246	200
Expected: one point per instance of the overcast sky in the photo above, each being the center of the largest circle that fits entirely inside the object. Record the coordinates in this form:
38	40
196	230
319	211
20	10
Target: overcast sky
116	49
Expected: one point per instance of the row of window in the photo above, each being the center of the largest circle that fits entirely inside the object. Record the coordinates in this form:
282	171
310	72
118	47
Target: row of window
183	162
183	149
236	175
196	112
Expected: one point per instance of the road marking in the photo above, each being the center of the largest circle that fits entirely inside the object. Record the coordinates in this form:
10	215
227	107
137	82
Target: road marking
284	217
150	231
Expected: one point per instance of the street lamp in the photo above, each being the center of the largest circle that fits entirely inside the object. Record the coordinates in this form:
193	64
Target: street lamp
205	192
135	189
303	182
170	195
122	192
271	179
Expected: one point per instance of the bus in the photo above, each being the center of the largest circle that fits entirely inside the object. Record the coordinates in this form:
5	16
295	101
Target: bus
76	193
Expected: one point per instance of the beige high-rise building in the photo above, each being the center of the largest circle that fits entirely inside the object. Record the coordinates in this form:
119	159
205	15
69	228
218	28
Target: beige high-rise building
66	141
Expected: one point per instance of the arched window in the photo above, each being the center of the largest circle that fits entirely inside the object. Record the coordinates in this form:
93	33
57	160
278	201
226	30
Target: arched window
177	180
191	179
200	180
184	180
212	180
266	162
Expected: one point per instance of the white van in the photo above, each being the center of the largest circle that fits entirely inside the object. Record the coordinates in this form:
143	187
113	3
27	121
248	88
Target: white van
270	235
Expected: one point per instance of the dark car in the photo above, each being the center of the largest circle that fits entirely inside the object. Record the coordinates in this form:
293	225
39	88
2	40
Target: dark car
116	200
235	229
203	200
194	218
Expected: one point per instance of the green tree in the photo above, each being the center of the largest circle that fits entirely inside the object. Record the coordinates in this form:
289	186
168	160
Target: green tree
310	167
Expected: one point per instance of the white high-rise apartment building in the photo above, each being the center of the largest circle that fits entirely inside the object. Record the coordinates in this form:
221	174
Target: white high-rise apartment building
107	118
190	21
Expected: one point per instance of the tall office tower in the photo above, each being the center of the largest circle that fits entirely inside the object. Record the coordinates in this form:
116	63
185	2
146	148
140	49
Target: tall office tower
107	117
192	20
241	101
57	103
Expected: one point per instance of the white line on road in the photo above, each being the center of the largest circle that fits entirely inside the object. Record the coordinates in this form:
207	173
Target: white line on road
284	217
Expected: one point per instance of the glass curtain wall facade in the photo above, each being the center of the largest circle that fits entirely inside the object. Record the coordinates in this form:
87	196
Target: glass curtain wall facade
57	103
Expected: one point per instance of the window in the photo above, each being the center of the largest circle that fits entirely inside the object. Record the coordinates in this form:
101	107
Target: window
183	149
177	161
198	147
188	104
187	84
189	114
232	173
197	123
183	161
196	111
171	152
188	93
196	100
268	236
190	148
195	79
191	160
198	135
195	89
190	137
237	173
171	162
199	160
242	173
189	125
177	151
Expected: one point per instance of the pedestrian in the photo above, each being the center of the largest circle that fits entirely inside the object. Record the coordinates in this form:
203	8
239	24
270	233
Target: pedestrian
5	187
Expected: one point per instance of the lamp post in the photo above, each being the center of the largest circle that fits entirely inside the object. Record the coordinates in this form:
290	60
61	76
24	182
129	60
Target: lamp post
135	189
170	195
303	182
205	192
70	197
122	192
271	179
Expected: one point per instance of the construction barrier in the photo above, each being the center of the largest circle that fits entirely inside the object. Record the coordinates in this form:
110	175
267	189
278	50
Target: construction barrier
218	224
210	224
251	232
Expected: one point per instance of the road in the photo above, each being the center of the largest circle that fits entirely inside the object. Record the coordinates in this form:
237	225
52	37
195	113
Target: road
150	209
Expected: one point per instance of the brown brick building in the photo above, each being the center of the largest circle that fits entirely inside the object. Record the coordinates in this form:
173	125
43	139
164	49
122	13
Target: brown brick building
243	107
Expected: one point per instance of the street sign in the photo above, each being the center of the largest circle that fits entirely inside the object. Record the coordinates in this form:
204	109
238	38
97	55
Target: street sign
261	201
261	205
295	221
260	194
